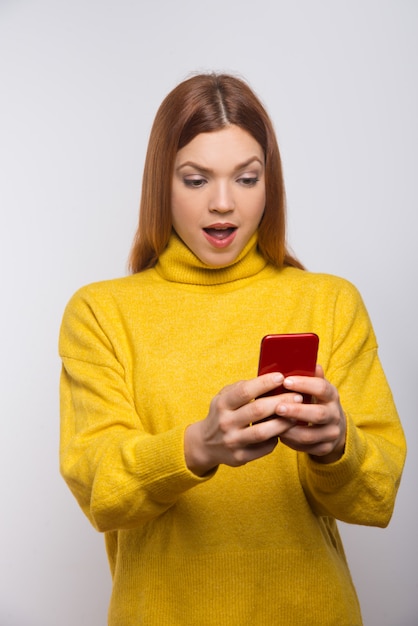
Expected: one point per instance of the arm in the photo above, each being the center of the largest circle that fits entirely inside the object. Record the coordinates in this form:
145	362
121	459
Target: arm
361	486
351	460
120	474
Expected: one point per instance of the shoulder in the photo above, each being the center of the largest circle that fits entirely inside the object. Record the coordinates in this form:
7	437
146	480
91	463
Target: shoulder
98	313
337	308
108	302
329	297
107	291
328	285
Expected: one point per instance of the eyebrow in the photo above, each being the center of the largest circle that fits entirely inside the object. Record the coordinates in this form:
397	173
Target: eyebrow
208	170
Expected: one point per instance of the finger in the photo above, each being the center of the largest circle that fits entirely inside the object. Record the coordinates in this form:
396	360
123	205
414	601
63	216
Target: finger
288	397
316	386
265	408
241	393
315	441
260	434
250	452
264	431
305	414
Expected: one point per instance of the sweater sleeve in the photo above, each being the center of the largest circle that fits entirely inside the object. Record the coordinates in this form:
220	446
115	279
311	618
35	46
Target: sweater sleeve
120	475
361	487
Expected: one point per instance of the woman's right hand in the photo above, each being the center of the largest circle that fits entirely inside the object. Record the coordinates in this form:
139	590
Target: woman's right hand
232	433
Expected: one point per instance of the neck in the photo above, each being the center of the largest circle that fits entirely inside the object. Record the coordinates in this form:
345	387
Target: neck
179	264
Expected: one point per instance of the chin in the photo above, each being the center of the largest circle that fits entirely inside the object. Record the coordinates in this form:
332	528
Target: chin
218	261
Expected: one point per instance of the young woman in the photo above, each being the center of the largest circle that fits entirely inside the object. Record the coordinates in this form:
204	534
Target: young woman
211	516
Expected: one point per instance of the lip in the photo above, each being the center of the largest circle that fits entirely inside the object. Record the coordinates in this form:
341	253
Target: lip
224	242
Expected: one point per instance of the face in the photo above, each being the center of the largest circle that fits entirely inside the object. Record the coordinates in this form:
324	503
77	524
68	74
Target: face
218	194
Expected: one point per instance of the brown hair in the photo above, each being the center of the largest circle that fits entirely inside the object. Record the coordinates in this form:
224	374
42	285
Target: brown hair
203	104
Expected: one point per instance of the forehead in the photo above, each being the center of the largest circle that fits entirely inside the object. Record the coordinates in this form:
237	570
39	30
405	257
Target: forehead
231	143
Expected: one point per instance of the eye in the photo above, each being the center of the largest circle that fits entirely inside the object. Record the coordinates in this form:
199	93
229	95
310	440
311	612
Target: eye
194	183
248	181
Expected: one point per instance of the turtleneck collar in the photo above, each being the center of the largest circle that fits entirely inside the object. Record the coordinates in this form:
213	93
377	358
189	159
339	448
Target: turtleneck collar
178	264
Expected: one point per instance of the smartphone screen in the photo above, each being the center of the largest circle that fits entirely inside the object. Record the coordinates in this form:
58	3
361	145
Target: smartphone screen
291	354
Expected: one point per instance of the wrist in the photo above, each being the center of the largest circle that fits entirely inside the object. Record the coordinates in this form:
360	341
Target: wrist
195	456
332	457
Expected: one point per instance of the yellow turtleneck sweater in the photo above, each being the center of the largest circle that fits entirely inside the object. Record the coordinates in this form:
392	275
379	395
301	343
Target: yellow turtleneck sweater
257	545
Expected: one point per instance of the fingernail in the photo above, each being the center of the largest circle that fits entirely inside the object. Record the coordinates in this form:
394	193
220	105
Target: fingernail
289	382
278	378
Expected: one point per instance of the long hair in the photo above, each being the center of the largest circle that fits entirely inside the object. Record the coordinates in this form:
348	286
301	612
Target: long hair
203	104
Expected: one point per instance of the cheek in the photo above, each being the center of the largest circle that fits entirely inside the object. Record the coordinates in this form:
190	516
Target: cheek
260	206
177	205
183	214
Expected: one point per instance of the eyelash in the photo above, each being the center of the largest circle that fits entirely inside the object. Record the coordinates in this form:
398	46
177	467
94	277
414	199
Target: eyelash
249	181
194	183
197	183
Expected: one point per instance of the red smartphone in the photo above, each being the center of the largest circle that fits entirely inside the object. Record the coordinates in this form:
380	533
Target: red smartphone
291	354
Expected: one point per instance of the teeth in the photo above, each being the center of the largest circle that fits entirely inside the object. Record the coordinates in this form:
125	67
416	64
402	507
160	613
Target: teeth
220	228
219	233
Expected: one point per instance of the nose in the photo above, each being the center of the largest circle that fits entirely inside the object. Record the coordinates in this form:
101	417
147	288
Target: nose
221	200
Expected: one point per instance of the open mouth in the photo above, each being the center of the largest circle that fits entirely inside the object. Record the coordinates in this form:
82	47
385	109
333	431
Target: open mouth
220	234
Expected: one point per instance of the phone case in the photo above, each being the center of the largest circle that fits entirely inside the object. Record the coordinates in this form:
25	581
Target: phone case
291	354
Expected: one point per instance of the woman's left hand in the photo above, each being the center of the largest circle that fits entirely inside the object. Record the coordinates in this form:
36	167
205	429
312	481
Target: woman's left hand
320	427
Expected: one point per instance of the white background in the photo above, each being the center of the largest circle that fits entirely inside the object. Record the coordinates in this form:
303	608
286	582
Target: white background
80	82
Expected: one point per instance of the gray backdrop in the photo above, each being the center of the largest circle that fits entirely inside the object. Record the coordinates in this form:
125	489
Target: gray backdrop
79	86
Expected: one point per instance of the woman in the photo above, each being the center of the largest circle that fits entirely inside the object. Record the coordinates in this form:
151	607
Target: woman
213	515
